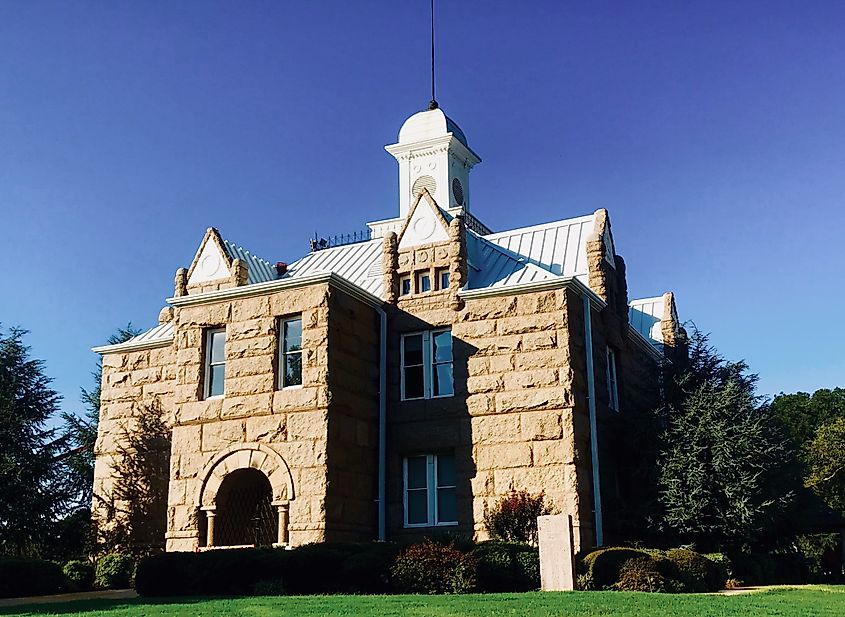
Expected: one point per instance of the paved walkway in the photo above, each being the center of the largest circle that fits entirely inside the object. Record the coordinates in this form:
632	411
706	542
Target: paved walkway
107	594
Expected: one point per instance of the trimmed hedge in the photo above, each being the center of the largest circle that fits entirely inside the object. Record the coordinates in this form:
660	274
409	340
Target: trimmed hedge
604	565
675	570
79	574
309	569
23	576
114	571
507	566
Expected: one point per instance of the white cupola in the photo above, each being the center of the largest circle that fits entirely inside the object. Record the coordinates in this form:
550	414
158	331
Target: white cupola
433	153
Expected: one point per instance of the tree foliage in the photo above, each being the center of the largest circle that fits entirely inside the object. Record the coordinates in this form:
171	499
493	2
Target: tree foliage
32	486
136	506
816	424
725	471
79	432
514	517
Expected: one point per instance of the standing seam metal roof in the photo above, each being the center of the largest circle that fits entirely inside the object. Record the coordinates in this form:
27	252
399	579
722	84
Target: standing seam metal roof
354	262
559	247
260	270
645	316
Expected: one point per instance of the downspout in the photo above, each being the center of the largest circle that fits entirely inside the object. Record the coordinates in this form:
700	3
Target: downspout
591	400
382	425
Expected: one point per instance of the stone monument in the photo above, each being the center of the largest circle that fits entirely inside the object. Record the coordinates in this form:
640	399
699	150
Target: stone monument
557	559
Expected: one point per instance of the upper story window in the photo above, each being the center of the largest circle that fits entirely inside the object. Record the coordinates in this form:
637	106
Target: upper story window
612	390
423	282
443	279
427	364
215	362
405	286
430	484
290	353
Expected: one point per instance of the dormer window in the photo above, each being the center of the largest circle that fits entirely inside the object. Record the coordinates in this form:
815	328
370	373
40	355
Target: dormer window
423	282
405	286
443	279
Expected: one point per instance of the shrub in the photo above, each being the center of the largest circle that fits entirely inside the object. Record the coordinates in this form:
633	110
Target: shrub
644	574
514	517
79	574
694	572
507	566
605	564
309	569
584	582
431	568
114	571
23	576
723	563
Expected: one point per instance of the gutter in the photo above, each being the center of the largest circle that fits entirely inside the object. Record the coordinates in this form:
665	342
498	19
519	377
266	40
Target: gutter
594	442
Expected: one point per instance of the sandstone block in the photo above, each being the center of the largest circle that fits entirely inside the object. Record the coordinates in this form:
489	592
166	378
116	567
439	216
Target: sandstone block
533	399
307	425
530	379
540	425
502	456
241	406
527	323
484	383
220	435
267	429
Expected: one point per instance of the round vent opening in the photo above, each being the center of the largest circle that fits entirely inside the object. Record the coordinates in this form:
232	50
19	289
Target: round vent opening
458	191
423	182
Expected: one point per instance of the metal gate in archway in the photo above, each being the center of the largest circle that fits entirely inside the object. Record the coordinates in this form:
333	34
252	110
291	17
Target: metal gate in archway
245	514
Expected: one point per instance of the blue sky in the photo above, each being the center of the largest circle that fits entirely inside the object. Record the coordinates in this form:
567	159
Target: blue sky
713	132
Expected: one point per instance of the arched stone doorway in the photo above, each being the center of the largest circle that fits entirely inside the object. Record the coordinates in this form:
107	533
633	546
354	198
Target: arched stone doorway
248	487
245	514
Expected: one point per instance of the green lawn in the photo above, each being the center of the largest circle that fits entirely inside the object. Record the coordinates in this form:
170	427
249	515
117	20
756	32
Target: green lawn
784	602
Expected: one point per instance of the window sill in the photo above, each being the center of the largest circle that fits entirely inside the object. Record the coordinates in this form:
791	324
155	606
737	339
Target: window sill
429	525
216	397
285	388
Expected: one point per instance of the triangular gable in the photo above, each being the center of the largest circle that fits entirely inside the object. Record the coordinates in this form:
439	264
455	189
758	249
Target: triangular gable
212	261
425	223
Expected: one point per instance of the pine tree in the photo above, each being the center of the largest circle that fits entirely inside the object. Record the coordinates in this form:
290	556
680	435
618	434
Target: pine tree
727	470
31	486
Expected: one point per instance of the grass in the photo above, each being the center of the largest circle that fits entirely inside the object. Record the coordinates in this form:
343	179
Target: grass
778	602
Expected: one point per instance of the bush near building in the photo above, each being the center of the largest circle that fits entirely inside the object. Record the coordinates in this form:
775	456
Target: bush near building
25	576
672	571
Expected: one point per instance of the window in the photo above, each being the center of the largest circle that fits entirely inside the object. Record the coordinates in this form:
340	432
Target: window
612	391
215	362
443	279
427	364
290	353
423	283
405	286
430	490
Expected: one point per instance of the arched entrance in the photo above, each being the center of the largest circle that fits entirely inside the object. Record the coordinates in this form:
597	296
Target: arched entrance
245	497
245	514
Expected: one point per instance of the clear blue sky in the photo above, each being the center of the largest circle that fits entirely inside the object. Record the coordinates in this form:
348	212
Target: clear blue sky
714	132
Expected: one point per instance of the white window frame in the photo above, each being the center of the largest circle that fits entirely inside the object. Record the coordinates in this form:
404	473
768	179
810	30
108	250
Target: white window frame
206	387
612	383
431	491
428	364
440	274
420	277
283	356
402	281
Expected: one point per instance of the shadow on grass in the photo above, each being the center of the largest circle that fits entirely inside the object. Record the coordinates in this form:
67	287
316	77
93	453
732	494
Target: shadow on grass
101	605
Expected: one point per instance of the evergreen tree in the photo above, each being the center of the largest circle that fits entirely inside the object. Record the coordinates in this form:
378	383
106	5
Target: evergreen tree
726	471
79	433
31	486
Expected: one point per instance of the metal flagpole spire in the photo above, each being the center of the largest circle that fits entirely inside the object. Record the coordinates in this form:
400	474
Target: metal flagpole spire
433	103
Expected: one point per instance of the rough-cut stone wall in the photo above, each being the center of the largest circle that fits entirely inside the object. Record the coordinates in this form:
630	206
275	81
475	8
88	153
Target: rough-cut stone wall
353	356
130	379
293	421
512	421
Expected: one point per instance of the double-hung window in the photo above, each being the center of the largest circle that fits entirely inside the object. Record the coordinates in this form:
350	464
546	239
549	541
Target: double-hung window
612	390
430	490
427	364
290	352
215	362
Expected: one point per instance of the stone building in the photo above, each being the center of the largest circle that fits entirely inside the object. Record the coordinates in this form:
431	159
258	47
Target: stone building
397	386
